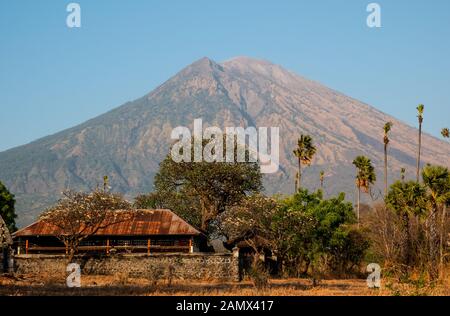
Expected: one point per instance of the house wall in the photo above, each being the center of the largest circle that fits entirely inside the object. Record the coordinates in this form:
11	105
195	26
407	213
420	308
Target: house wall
193	266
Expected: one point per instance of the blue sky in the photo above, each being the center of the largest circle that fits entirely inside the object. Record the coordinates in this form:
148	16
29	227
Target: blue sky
53	77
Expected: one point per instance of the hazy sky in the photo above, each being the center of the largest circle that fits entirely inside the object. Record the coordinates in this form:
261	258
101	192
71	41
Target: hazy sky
53	77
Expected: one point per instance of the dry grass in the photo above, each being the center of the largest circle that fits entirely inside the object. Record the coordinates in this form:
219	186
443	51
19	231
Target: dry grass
123	285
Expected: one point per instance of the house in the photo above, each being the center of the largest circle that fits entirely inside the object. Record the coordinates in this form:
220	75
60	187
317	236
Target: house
142	231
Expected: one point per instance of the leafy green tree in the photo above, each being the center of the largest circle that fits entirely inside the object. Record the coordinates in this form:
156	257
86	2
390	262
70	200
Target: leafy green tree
7	210
325	228
251	221
304	231
420	110
437	180
407	200
347	248
365	177
304	152
212	186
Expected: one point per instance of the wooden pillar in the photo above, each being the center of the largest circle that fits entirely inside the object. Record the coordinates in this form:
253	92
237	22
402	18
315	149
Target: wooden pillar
18	245
67	249
26	246
148	246
191	246
107	246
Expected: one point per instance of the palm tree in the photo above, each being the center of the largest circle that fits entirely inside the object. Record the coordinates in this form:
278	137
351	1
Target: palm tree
445	133
437	179
365	176
402	174
387	128
420	109
304	152
322	177
407	199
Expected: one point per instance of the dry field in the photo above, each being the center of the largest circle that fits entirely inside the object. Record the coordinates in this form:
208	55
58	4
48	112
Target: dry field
122	285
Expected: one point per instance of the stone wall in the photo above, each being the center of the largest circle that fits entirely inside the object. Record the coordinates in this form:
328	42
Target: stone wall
193	266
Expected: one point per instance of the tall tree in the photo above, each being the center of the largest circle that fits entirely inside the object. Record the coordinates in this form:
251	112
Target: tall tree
365	176
304	152
387	128
213	185
420	110
446	134
437	179
7	210
407	200
322	178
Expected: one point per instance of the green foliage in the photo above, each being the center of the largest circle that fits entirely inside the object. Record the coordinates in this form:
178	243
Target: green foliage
407	197
347	249
437	179
365	172
304	152
420	109
327	233
305	149
411	234
210	187
304	231
386	129
7	210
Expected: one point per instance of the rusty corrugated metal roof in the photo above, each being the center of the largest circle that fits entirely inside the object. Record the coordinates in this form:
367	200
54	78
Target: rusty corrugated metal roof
137	223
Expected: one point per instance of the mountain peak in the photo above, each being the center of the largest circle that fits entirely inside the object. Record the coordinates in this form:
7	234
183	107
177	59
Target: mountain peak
204	61
201	68
246	60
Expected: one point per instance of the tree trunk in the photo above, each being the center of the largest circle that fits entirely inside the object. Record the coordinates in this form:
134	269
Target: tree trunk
204	210
442	238
5	258
72	248
296	183
406	242
71	255
299	174
434	245
385	171
308	262
358	206
418	154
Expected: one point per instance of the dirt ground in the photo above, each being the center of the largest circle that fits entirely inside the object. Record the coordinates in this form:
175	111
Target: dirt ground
122	285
